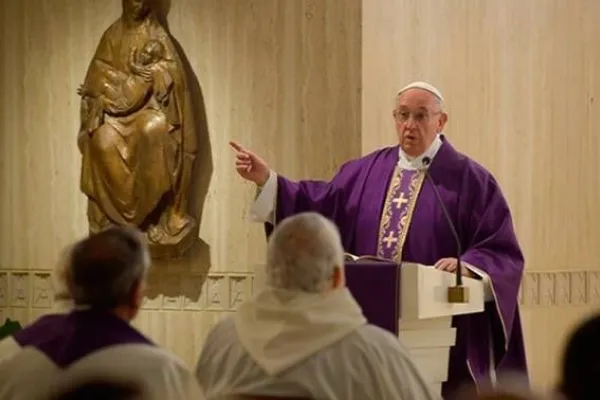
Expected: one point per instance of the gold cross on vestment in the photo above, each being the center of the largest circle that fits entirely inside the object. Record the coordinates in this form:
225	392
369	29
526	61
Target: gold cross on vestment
390	239
399	201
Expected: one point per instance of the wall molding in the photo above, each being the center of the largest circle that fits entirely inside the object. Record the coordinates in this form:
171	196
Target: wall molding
26	289
224	291
218	291
560	288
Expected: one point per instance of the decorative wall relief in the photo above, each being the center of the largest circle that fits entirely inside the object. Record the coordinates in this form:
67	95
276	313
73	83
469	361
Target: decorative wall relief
137	135
531	289
578	288
3	290
593	287
226	291
547	289
239	290
560	288
216	291
42	290
19	289
563	288
194	297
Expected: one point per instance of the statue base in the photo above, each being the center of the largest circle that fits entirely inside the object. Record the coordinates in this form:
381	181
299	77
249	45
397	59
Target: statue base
174	247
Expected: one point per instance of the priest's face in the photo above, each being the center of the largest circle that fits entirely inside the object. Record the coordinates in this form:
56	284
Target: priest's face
419	118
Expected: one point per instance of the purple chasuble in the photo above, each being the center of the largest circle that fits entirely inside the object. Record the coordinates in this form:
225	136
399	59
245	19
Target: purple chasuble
66	338
355	199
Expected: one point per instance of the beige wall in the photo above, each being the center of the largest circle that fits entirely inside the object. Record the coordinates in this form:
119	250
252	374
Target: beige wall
522	83
282	77
285	78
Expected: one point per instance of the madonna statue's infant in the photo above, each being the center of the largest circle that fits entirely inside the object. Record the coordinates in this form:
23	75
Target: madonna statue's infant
137	136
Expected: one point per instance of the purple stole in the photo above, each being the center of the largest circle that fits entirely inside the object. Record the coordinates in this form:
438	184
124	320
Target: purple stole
66	338
400	201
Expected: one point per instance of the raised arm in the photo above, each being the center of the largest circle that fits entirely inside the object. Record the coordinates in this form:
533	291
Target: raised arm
279	197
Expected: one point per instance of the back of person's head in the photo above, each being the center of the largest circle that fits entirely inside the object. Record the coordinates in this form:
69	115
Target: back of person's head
305	254
580	369
107	269
99	389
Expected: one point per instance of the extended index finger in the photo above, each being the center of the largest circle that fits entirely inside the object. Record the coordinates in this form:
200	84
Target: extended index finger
237	147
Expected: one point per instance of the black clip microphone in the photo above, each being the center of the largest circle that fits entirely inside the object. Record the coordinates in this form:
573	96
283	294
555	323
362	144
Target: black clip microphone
458	293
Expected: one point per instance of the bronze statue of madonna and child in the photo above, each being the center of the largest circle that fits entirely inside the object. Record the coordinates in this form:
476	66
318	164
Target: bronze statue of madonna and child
137	136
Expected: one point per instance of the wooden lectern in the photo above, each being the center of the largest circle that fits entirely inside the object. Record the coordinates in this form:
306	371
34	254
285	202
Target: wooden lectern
410	300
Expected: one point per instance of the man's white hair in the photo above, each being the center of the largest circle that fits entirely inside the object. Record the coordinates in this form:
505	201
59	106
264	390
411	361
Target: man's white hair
302	253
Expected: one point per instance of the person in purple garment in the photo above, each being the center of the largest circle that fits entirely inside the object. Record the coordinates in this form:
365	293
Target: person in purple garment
105	275
384	207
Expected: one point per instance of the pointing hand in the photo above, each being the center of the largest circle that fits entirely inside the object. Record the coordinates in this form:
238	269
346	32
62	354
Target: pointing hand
250	166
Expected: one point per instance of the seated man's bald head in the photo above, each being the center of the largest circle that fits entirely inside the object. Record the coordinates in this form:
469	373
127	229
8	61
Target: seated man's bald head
305	253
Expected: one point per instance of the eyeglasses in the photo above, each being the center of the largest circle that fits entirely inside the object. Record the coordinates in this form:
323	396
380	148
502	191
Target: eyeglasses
418	117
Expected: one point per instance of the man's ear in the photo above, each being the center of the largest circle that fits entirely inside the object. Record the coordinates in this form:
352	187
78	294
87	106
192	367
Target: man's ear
442	122
338	279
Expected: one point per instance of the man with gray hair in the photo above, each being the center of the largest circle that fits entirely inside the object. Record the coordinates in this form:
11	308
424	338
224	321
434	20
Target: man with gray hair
105	275
304	335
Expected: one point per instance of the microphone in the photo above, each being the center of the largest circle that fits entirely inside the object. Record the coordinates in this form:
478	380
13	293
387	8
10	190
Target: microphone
457	293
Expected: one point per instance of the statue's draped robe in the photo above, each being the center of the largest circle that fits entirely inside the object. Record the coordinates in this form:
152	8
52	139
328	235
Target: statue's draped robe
132	159
60	349
356	199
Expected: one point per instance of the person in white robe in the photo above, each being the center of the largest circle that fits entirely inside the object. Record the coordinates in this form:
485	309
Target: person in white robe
104	275
304	335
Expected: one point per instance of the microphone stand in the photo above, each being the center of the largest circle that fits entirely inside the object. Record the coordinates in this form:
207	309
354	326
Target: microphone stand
457	293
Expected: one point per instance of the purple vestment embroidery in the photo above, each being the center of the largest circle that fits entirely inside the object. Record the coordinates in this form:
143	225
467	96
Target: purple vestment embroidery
395	219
